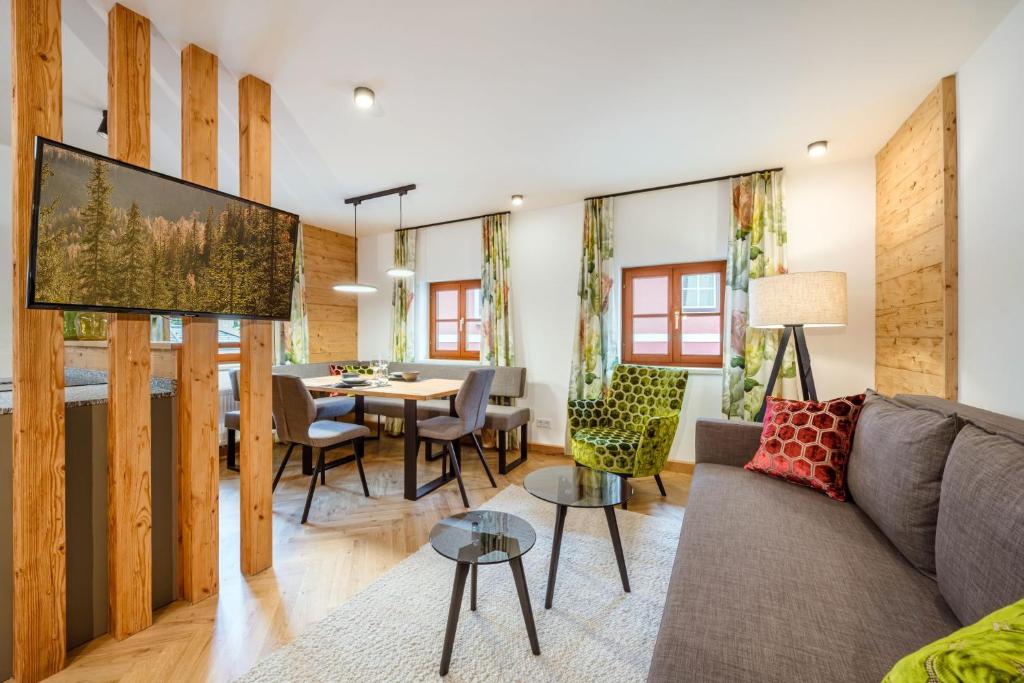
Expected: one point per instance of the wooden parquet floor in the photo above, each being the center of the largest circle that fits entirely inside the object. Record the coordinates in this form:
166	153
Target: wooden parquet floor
348	542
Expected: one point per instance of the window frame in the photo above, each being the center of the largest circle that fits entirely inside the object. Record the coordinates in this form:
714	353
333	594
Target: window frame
674	272
460	286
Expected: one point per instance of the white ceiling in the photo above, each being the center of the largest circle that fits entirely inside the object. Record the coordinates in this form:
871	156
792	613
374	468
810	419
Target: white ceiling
554	100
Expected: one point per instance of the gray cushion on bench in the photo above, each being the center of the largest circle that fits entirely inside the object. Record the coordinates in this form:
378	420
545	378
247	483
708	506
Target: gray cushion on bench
506	418
233	420
391	407
774	582
508	382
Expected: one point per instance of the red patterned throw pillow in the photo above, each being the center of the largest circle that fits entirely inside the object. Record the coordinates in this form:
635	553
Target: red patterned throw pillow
808	443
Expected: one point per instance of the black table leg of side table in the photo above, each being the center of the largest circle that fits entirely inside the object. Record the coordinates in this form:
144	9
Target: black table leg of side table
472	589
556	547
524	601
613	529
461	571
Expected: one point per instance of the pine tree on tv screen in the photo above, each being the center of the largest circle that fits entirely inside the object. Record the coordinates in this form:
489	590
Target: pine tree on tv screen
111	236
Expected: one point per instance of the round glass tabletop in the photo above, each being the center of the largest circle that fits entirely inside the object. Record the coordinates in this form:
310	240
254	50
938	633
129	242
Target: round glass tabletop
578	487
482	537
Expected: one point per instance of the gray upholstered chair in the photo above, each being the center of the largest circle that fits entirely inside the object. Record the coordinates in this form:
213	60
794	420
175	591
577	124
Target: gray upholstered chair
327	408
295	413
470	409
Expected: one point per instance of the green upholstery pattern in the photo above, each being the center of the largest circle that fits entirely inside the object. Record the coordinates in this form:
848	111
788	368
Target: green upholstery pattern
631	431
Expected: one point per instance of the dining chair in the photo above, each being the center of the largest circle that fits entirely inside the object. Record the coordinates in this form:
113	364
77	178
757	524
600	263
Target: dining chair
470	409
327	408
295	413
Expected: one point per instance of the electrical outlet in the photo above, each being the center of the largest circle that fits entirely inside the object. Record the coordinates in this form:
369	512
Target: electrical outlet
543	423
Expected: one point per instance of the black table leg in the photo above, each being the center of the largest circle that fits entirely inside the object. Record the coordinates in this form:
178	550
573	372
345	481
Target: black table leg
232	462
461	570
613	529
410	456
472	589
361	410
524	601
556	547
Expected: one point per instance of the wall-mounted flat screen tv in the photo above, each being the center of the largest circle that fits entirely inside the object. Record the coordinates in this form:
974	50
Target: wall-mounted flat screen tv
109	236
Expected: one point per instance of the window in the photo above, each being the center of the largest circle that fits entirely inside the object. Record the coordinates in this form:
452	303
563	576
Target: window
672	315
455	319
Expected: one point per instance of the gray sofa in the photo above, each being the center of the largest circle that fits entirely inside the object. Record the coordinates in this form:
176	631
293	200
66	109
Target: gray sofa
503	417
776	582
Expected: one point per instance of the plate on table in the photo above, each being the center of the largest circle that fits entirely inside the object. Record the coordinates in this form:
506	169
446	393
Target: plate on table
350	383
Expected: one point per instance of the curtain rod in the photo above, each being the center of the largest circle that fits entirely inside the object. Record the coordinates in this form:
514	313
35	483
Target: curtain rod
454	220
683	184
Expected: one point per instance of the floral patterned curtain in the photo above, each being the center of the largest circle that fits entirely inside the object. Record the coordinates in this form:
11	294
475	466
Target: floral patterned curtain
594	345
402	317
496	347
291	341
496	344
757	248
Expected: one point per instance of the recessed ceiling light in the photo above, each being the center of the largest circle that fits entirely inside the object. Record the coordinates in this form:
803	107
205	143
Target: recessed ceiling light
517	200
817	149
363	97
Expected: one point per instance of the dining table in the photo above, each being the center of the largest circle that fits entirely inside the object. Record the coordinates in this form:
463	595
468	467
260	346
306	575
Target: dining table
411	393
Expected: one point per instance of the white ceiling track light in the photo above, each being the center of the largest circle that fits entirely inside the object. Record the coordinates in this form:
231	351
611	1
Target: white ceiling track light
401	269
517	200
357	287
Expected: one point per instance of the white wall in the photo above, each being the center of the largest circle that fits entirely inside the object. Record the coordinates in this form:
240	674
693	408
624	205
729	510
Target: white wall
831	224
6	249
831	217
990	102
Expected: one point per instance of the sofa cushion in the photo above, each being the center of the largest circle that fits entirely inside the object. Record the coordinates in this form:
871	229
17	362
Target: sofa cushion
774	582
895	473
390	407
991	649
979	540
808	442
506	418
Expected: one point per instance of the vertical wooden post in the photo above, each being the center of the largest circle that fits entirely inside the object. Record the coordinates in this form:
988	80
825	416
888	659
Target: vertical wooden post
255	450
198	457
40	626
129	504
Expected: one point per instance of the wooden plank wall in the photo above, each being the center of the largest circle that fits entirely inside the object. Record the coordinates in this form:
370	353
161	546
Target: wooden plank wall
329	259
255	451
198	436
129	511
39	558
916	252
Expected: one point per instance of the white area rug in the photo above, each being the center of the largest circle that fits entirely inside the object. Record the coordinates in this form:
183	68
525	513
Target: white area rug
393	630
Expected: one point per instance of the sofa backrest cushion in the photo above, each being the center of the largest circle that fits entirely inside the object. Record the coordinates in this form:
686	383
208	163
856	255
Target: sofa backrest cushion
895	473
303	370
986	419
979	541
639	392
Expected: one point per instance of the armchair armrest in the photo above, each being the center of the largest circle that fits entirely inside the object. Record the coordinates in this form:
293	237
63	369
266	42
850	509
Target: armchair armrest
585	412
726	442
655	445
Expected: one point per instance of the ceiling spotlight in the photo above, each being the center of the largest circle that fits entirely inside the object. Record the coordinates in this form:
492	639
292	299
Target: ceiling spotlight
363	97
517	200
102	130
817	149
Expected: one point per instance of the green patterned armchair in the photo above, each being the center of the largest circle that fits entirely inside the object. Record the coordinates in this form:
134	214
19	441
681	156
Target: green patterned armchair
630	433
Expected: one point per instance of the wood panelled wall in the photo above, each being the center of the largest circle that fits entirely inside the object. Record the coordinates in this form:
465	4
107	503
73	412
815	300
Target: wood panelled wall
916	252
330	258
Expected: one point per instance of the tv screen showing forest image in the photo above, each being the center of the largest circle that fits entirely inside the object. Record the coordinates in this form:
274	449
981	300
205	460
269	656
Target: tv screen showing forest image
115	237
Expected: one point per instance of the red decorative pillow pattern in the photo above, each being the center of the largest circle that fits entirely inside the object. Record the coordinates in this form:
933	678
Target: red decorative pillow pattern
808	442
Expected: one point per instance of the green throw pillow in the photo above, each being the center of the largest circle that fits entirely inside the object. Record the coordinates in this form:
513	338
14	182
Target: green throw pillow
990	650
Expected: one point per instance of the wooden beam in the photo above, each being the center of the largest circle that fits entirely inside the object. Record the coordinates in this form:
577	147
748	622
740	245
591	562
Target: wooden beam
198	464
950	271
129	498
256	445
39	600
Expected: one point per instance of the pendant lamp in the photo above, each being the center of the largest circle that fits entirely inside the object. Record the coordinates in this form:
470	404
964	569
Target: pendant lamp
355	287
400	269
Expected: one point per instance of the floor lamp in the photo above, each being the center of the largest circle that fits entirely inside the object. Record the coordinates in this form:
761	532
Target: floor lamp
792	302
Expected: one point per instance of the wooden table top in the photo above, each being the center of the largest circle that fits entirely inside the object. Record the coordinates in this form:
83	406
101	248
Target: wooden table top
420	390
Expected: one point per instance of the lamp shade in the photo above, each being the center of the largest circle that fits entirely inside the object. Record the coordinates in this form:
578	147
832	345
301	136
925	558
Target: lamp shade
809	299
